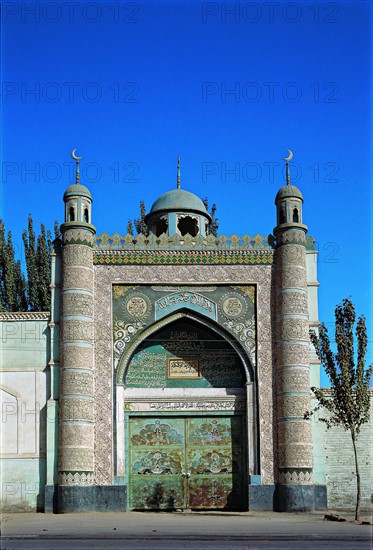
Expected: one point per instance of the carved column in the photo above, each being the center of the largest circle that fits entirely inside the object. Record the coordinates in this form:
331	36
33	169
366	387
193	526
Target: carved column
76	433
292	360
295	490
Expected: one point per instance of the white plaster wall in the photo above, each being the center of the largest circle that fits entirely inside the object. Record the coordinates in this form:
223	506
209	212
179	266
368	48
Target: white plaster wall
24	390
23	402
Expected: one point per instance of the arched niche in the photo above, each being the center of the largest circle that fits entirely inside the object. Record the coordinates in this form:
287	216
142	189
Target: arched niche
9	405
148	337
214	377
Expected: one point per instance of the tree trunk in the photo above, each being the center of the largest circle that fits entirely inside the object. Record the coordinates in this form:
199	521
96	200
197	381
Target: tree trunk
357	509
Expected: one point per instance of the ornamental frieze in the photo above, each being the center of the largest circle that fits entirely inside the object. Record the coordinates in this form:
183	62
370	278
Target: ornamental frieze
77	255
77	409
289	354
190	405
296	455
75	382
291	255
293	406
294	277
78	236
74	278
77	329
293	329
75	435
292	477
137	307
294	302
76	458
75	478
77	303
78	357
187	257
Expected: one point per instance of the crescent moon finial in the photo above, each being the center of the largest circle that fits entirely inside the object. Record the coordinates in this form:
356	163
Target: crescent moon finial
73	155
289	158
77	160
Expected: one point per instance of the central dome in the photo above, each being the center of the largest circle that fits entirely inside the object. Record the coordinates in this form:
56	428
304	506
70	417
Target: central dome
178	211
178	200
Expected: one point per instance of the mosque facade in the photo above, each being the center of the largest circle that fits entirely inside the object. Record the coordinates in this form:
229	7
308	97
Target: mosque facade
178	366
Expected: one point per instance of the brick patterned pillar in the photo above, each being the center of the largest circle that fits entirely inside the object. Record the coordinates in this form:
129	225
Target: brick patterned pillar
76	420
76	442
295	489
292	360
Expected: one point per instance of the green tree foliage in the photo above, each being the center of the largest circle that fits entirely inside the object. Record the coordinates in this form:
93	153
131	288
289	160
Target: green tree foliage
130	227
29	242
347	401
43	248
12	280
56	229
139	223
17	293
37	254
20	288
214	225
2	267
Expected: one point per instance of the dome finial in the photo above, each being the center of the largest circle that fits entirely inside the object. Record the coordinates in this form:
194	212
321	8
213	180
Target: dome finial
287	160
178	173
77	161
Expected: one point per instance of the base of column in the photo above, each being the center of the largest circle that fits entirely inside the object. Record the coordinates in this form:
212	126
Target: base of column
261	497
94	498
300	498
51	499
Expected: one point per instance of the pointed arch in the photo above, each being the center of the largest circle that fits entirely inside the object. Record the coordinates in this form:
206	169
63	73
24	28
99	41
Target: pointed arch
191	316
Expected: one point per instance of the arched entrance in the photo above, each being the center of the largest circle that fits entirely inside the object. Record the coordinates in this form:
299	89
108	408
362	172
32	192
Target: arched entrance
185	426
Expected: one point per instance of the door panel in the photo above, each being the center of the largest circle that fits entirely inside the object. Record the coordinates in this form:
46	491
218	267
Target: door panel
215	462
155	431
194	462
157	459
210	492
216	432
157	493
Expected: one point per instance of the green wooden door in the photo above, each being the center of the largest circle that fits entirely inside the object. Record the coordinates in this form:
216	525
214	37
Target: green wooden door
194	462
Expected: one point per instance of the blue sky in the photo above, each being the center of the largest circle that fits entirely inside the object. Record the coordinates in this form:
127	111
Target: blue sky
229	86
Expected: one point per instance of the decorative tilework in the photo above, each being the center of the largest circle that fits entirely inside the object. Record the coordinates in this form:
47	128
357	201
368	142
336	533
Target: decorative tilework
108	275
209	242
191	257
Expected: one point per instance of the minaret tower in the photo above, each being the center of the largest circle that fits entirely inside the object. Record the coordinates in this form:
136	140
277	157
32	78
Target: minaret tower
295	491
76	421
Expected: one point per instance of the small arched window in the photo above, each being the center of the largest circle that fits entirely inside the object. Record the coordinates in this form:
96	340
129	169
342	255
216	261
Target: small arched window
71	214
160	226
295	215
187	224
283	213
86	215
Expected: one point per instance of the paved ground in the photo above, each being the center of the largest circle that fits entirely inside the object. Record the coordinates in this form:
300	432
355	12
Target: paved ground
193	531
